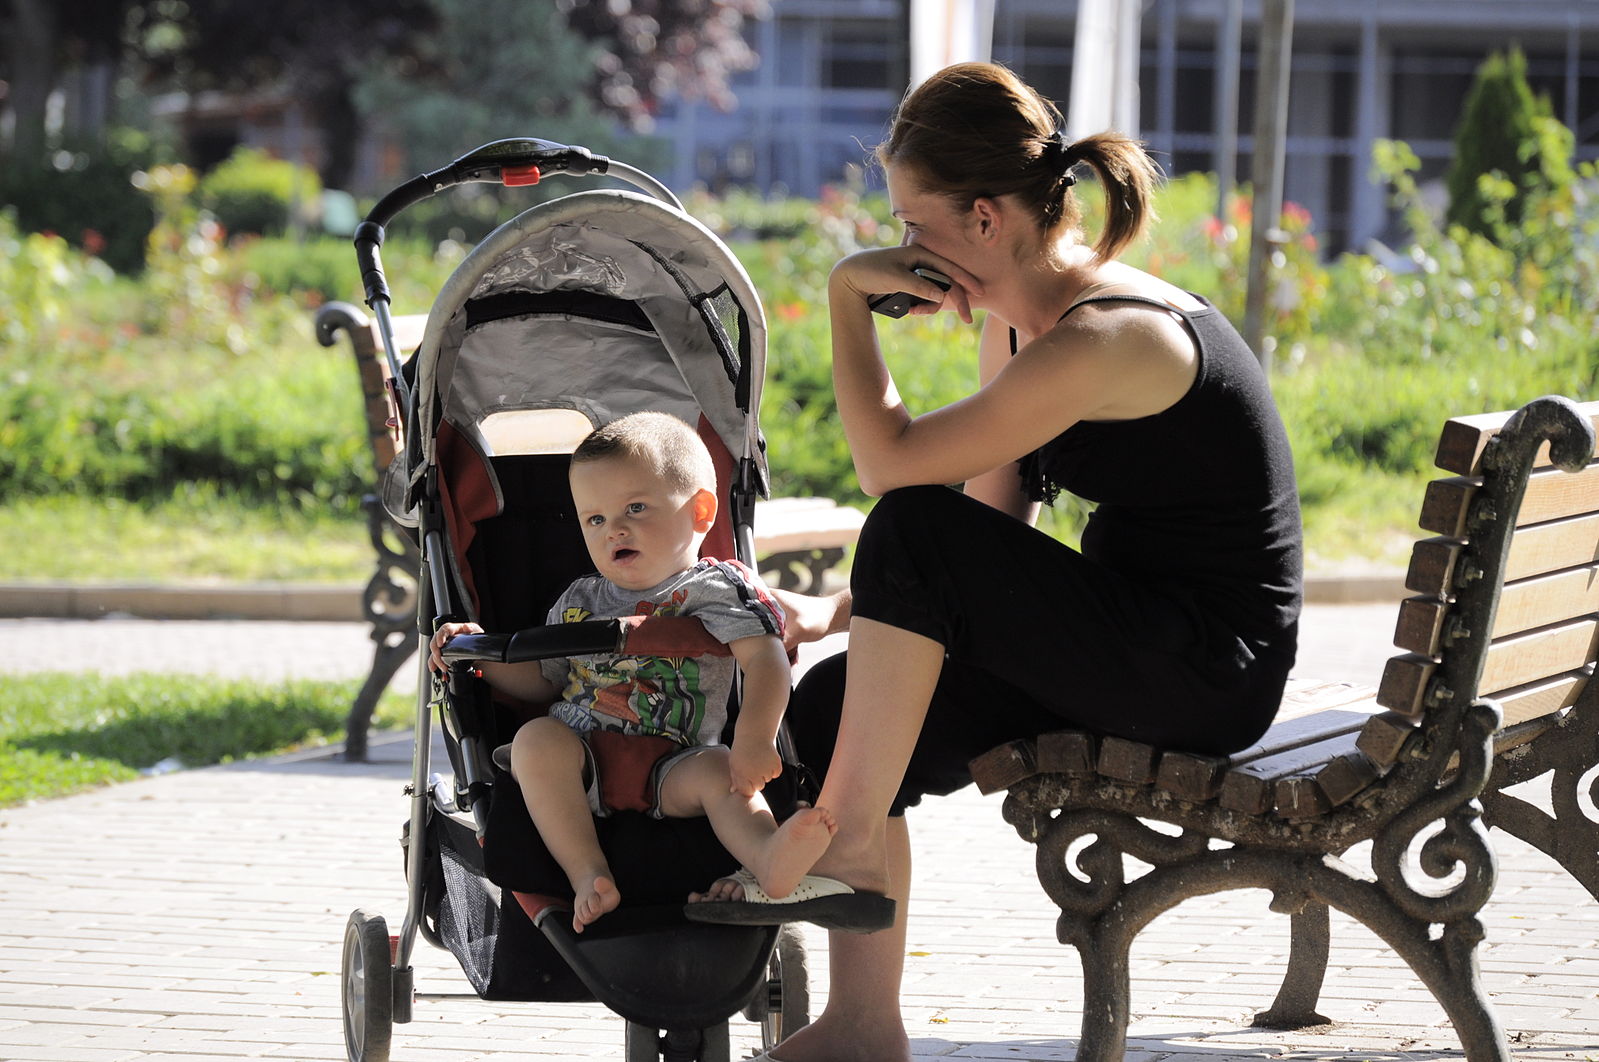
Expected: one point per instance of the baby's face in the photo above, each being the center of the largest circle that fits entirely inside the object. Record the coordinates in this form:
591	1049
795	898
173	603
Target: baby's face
638	530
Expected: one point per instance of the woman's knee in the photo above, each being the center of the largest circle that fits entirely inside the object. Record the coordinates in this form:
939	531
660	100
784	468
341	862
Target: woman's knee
907	520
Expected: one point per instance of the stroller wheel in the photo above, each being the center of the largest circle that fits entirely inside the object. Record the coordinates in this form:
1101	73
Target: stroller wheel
783	1005
367	982
646	1044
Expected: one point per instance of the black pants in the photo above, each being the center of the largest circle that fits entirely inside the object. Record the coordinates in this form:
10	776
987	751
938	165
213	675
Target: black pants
1037	638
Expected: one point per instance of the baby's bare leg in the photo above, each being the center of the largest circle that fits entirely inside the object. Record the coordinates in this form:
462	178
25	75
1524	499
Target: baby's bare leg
778	856
548	761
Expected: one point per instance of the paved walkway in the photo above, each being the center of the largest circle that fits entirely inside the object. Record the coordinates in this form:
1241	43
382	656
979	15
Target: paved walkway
199	915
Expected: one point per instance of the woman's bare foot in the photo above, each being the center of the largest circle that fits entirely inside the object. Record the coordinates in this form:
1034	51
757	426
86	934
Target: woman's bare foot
599	897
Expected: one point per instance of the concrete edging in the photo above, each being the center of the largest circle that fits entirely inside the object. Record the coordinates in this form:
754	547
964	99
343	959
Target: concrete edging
303	601
247	601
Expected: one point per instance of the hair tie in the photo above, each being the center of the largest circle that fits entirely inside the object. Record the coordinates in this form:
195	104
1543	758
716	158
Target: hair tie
1057	151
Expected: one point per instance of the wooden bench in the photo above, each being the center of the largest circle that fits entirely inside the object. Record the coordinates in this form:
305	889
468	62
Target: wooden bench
1500	641
797	540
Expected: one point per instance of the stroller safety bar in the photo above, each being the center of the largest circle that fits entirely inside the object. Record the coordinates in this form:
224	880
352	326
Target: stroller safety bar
637	635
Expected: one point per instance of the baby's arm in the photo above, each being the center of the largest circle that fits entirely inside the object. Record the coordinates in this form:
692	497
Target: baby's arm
525	681
767	678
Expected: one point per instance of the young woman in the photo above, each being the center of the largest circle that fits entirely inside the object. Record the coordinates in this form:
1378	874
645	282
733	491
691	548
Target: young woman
1175	623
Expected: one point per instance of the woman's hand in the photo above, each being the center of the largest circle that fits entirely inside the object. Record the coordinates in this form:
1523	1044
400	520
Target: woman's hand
889	269
442	635
810	619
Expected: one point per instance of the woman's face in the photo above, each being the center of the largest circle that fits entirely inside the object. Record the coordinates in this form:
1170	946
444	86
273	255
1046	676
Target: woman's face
931	221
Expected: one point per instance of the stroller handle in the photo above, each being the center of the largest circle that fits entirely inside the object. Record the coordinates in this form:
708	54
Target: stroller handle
513	162
635	635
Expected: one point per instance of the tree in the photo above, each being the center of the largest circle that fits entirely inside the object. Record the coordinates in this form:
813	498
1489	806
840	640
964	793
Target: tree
1504	129
493	69
653	49
44	37
638	52
317	48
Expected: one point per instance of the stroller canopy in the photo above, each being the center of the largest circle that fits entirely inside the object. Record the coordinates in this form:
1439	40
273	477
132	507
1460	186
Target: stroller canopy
599	303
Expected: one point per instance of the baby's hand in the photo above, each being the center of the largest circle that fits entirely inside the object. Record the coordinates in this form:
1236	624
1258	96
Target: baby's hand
751	765
442	635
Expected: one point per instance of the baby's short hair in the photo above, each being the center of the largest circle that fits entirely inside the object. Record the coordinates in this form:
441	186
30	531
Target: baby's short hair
673	449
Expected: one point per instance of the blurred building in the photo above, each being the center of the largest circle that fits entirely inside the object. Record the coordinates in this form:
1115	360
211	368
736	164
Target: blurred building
832	71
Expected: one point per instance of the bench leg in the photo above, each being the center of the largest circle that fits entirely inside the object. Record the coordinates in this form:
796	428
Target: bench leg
386	661
1567	753
1309	942
1102	912
1107	990
803	571
389	605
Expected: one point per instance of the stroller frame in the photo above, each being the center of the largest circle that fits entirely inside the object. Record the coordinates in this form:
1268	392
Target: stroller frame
378	978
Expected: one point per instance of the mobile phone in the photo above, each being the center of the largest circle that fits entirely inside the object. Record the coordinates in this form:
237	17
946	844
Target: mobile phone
899	303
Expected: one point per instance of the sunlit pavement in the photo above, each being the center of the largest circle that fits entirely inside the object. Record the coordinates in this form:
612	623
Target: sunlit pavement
199	914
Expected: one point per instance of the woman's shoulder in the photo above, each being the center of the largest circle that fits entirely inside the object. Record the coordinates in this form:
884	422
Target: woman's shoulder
1118	279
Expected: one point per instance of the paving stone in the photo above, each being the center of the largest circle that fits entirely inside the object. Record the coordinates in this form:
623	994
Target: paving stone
252	870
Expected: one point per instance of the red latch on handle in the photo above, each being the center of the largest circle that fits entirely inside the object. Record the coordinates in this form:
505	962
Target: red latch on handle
516	176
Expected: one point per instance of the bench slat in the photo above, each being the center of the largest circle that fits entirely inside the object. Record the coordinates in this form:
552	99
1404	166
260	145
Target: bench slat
1250	787
1432	566
1421	625
1068	752
1463	439
1384	735
1195	777
1404	683
1551	495
1333	784
1536	550
1524	658
1551	546
1546	599
1126	761
1536	699
1523	606
1511	662
1003	766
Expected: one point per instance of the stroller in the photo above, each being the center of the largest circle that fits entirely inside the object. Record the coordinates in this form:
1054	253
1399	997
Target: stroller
575	312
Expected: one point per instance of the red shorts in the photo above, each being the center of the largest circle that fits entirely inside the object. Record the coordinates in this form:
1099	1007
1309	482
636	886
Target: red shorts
625	771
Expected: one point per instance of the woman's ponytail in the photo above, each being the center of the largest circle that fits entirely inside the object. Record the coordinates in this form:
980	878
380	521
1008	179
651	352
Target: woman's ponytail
1128	176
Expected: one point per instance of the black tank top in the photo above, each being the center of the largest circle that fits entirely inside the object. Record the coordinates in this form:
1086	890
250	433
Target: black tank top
1200	496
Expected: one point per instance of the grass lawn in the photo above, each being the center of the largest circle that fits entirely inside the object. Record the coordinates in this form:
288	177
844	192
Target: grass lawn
60	732
185	538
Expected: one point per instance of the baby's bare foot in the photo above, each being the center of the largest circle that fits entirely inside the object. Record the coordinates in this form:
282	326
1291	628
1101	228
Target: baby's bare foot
598	898
794	849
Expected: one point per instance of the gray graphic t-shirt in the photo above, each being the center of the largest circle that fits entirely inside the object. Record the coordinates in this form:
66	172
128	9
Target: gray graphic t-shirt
684	698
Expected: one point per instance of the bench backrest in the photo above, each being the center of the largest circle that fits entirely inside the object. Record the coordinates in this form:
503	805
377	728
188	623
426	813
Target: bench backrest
1507	592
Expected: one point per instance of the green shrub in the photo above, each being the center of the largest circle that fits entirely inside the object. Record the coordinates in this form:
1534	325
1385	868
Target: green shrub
1505	132
323	269
87	198
253	192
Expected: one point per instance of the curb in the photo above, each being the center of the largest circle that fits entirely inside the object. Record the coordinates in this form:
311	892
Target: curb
343	604
246	601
